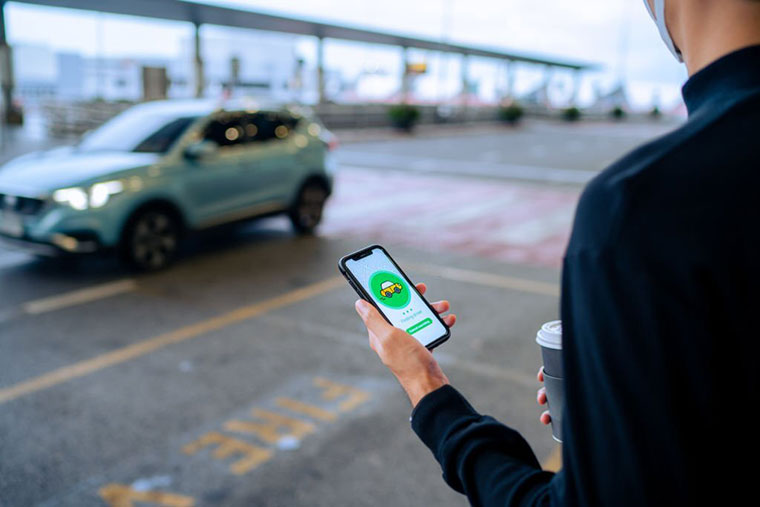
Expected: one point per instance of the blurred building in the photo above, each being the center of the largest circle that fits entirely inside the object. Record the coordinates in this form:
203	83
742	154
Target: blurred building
248	64
606	102
35	72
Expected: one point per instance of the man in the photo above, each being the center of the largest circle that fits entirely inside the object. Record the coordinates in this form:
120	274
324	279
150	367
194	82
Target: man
659	293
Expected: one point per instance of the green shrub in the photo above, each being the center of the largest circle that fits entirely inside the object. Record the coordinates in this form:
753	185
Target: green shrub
404	116
655	112
571	114
617	113
511	113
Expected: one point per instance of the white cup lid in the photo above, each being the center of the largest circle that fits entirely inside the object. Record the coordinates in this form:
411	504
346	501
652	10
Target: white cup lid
550	335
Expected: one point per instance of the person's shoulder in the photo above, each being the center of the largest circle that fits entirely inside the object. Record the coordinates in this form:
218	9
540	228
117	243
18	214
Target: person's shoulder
695	173
606	197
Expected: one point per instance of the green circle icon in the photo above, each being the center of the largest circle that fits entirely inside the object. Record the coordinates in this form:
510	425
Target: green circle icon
389	289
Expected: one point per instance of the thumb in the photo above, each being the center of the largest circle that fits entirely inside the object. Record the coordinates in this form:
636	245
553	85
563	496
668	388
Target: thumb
372	319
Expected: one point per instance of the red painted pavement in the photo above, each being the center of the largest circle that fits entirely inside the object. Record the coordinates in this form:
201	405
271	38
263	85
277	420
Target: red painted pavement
511	222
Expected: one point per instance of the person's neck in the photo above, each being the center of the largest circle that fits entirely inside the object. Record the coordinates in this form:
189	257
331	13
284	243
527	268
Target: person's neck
714	30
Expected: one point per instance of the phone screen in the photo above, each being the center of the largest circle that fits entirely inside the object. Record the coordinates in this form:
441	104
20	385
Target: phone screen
393	294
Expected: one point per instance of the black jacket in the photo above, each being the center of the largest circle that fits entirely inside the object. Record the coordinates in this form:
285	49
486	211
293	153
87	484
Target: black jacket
660	312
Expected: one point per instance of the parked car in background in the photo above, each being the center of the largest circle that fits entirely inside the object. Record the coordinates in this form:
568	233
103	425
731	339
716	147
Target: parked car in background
142	180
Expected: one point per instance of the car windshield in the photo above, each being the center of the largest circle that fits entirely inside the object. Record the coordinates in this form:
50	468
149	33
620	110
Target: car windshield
136	130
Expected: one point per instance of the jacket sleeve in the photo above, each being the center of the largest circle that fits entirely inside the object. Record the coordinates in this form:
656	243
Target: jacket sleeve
480	457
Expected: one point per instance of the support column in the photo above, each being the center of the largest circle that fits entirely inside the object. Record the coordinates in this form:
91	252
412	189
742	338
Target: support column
465	79
405	81
321	70
509	89
200	77
576	86
548	69
6	68
443	63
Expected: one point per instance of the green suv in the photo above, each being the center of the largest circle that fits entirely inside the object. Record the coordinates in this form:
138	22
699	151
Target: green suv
140	181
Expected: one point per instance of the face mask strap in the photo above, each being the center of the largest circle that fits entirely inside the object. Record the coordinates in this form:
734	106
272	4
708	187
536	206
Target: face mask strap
658	15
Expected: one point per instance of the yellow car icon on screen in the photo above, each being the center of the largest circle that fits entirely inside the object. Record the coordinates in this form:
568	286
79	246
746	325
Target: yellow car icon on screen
388	288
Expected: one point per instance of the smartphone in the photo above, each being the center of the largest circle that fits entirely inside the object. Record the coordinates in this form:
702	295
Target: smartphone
376	277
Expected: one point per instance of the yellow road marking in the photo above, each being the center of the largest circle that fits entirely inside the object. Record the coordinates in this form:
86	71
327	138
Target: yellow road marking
306	409
269	431
144	347
488	279
119	495
228	446
553	463
333	390
78	297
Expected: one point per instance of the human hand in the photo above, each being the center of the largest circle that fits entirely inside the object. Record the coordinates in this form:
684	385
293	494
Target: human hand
545	417
413	365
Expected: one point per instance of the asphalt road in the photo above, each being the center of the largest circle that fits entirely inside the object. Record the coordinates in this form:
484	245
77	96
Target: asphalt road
241	376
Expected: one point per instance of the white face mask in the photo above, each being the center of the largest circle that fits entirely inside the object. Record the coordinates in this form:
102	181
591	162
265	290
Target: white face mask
659	17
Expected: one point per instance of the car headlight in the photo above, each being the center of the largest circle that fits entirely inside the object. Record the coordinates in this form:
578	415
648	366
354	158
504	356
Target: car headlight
101	192
95	197
75	197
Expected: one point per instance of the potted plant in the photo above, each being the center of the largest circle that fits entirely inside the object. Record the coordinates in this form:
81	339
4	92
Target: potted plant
404	116
511	113
571	113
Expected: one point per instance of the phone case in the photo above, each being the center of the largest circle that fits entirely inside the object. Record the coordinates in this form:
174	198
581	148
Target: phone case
363	294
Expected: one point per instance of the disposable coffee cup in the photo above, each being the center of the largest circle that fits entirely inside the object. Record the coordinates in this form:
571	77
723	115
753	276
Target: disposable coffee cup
549	338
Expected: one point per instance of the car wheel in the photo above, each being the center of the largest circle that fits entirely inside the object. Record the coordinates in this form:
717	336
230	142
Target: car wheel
151	240
307	210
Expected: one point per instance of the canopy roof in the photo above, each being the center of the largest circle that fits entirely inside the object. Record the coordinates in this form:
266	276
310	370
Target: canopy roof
180	10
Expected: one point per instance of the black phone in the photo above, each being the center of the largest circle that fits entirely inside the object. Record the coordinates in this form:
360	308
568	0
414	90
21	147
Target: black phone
376	277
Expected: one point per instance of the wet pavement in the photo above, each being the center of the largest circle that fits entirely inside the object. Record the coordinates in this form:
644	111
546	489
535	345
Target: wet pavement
242	376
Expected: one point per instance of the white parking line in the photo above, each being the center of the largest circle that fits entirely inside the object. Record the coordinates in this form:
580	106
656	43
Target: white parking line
350	159
488	279
358	338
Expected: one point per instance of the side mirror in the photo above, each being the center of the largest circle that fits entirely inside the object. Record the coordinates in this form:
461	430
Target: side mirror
201	150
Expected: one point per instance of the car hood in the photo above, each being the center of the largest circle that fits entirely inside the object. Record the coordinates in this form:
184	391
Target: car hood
40	173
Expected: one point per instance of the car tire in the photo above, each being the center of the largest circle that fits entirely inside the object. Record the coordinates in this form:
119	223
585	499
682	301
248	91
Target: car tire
151	239
306	213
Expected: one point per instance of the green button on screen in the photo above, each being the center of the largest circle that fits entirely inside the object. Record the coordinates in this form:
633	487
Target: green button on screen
420	325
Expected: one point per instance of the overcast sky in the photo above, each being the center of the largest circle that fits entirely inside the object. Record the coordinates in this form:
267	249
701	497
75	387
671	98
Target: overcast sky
616	33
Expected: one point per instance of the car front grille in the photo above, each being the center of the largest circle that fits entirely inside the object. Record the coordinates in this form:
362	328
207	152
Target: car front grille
21	205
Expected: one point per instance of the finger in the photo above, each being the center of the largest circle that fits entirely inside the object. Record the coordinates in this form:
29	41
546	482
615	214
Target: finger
541	374
541	396
375	322
441	306
545	417
421	287
450	319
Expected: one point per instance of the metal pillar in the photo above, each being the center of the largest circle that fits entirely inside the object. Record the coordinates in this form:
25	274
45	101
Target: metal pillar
465	78
509	89
200	77
548	69
547	75
405	80
576	86
321	70
6	68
